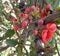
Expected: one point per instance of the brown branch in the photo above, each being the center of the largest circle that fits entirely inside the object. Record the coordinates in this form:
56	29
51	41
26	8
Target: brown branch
52	17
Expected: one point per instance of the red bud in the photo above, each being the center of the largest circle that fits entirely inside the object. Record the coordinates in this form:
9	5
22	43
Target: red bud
35	32
24	24
16	28
48	7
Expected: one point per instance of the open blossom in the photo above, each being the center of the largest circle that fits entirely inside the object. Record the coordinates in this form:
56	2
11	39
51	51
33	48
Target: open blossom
51	27
47	33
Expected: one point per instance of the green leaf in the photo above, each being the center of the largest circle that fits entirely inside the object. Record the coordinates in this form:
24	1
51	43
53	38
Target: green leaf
1	38
0	30
57	22
9	33
57	9
11	42
1	13
59	47
56	4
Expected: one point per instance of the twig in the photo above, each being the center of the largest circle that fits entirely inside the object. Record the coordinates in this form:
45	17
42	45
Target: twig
26	50
57	47
52	17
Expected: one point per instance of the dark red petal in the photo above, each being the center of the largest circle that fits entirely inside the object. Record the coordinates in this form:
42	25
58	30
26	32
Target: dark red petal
43	13
49	35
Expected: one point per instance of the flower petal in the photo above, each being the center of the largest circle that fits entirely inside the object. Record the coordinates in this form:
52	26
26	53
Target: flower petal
51	27
44	35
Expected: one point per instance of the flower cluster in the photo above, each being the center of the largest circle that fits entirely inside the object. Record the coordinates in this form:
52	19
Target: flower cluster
48	32
34	13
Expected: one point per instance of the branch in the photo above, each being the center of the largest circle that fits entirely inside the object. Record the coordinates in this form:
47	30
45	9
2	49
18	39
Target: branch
52	17
57	47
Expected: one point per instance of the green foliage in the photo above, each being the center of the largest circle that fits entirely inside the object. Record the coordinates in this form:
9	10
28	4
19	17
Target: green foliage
51	42
11	42
1	38
57	22
32	47
57	9
0	0
56	4
9	33
0	30
33	51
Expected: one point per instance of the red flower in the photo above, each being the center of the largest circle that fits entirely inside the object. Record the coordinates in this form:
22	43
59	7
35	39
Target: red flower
24	24
21	15
51	27
48	7
27	10
16	28
43	13
35	32
26	16
46	35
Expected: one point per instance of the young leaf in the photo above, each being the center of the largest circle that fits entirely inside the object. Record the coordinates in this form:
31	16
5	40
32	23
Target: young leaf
1	38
